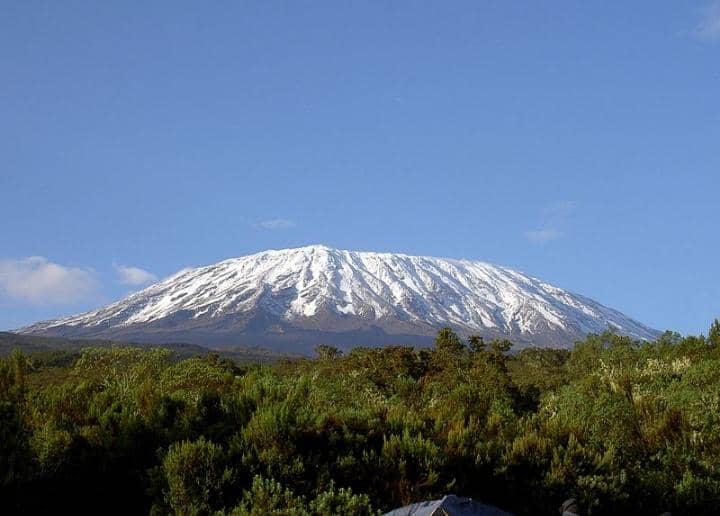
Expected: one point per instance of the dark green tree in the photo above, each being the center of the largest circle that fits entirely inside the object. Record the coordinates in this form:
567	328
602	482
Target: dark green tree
476	343
195	476
15	453
714	334
326	352
447	341
498	353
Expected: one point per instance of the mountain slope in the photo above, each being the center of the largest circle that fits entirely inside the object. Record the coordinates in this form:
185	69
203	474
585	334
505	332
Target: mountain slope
295	298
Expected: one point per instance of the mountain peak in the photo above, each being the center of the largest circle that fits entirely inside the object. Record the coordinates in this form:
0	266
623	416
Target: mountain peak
317	293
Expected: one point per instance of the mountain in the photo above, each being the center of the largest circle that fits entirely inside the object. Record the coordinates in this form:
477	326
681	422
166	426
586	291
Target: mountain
293	299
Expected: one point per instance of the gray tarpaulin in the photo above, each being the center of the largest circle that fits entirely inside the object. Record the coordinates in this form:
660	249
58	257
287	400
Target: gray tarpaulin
450	505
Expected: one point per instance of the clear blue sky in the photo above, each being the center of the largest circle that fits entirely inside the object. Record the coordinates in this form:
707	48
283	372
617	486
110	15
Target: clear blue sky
576	141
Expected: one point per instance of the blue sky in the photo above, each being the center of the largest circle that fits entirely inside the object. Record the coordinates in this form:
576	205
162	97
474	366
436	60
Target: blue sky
576	141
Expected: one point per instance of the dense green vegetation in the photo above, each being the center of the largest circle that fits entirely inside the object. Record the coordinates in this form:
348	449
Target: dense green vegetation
624	426
45	346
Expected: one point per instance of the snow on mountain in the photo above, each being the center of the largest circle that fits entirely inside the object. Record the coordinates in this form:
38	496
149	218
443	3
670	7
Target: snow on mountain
316	293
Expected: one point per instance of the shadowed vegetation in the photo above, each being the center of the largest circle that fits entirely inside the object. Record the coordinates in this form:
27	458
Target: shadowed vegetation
624	426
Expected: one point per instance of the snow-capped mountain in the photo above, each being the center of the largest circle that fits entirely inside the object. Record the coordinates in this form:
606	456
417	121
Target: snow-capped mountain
297	298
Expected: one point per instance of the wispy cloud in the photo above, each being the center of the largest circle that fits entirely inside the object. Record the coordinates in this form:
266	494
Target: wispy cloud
709	26
559	209
134	276
544	235
39	281
555	217
276	224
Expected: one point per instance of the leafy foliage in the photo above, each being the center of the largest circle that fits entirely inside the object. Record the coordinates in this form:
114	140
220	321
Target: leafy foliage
195	476
621	425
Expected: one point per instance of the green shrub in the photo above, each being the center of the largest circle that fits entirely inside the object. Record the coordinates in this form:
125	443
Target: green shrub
196	476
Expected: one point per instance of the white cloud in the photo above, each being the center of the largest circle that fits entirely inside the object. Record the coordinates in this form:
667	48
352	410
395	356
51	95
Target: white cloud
560	209
553	221
39	281
709	26
134	275
276	224
544	235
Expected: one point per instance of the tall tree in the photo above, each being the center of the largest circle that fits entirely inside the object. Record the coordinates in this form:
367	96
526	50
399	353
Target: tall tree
327	352
448	341
714	333
476	343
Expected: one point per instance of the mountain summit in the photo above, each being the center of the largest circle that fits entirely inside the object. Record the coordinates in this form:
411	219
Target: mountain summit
293	299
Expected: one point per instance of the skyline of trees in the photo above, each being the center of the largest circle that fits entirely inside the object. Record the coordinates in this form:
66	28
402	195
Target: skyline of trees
622	425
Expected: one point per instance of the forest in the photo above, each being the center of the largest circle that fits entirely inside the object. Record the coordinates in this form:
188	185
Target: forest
624	426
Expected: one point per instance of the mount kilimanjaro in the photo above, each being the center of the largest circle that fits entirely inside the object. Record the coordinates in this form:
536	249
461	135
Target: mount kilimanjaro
293	299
